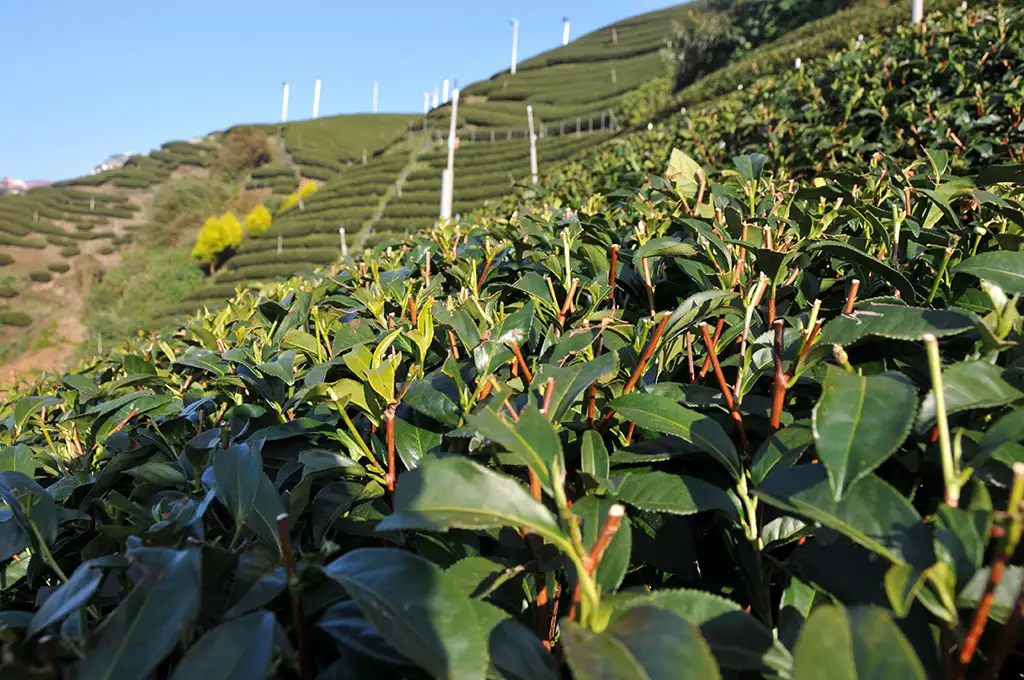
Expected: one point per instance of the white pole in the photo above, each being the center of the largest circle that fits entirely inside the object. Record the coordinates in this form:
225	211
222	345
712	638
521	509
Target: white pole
316	98
565	31
444	91
615	37
435	98
917	11
344	246
448	177
280	244
426	103
515	43
533	143
284	105
376	92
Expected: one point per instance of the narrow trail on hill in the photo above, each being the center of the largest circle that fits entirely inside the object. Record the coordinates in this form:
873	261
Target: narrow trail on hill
390	193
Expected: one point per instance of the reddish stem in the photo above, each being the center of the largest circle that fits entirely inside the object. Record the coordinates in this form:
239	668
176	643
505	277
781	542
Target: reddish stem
611	274
642	363
851	297
718	334
810	340
549	391
522	362
723	385
771	307
779	390
455	347
483	275
1004	642
568	302
389	421
413	314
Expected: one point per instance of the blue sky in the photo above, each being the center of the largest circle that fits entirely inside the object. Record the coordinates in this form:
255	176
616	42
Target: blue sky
84	80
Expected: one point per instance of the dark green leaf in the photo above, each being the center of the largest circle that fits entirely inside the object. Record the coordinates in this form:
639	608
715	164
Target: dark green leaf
968	385
237	650
676	495
236	472
1005	268
415	608
662	415
532	439
859	422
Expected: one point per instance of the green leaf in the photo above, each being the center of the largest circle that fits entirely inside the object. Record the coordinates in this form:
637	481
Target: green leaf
737	639
266	508
859	422
18	458
239	649
1005	268
750	166
968	385
663	247
674	494
150	620
415	608
870	513
532	439
514	651
454	492
69	597
643	643
784	448
861	642
594	455
663	415
1005	597
872	264
683	171
432	402
236	472
412	443
571	381
896	322
26	407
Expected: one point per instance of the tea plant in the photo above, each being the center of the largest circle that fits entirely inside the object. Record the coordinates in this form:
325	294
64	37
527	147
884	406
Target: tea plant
715	422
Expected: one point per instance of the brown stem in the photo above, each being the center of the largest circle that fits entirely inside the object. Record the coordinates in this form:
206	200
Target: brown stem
483	275
611	524
305	662
723	385
810	340
981	614
549	391
426	268
779	391
120	425
389	421
642	363
689	357
568	302
707	360
522	362
455	347
702	185
851	297
413	314
771	307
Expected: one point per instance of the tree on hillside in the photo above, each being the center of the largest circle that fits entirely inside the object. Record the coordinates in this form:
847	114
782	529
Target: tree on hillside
244	148
216	240
257	221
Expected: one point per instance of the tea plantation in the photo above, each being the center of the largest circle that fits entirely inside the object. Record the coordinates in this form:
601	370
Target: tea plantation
736	394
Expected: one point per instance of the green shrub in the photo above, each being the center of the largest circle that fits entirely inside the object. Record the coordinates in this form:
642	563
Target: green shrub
70	251
40	276
7	291
5	259
107	250
18	319
58	267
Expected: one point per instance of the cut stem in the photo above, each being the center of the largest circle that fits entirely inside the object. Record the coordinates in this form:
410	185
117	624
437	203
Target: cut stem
389	422
781	380
527	375
723	385
719	325
851	297
939	274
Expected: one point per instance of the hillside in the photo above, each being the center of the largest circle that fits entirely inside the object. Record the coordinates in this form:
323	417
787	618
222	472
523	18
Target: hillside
734	395
396	192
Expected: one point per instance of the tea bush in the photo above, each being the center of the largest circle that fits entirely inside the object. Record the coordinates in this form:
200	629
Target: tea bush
16	319
5	259
40	276
58	267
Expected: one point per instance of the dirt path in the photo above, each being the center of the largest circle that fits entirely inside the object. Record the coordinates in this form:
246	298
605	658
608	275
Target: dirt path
391	192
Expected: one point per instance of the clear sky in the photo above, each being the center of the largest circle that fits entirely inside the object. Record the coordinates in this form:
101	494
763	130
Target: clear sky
83	80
